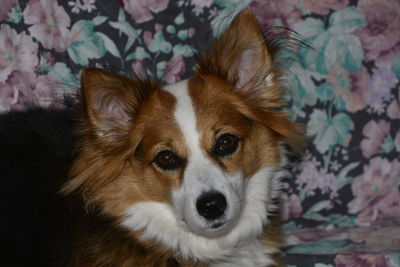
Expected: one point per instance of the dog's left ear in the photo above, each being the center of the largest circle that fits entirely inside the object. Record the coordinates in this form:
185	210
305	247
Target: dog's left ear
241	55
110	102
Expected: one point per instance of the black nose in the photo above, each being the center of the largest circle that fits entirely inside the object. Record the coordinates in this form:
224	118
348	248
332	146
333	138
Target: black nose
211	205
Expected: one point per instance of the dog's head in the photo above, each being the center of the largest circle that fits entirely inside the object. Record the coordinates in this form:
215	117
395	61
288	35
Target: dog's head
192	166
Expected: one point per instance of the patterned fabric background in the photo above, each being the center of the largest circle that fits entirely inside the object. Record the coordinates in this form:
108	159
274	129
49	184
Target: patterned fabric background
342	203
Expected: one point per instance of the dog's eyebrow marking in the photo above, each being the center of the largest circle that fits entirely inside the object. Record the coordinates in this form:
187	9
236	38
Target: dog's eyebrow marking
185	115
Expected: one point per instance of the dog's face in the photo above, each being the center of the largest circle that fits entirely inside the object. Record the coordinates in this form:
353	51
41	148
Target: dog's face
192	166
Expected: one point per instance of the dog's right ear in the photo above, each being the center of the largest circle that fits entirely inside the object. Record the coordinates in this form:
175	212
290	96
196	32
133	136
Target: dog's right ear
110	102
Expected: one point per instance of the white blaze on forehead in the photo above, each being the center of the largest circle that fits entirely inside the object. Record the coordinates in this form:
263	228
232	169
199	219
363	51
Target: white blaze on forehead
184	114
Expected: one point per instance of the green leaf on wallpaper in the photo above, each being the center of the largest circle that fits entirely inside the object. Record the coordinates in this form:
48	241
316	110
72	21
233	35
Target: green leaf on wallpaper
317	53
130	56
99	20
346	20
126	28
183	34
184	50
396	66
309	28
343	176
179	19
129	44
315	216
333	44
290	226
88	44
109	45
319	206
323	247
322	265
171	29
351	50
342	221
301	91
325	92
388	145
159	44
394	259
121	15
329	131
63	74
15	15
140	54
160	67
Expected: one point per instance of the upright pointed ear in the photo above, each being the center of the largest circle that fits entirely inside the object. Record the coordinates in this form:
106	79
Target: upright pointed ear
110	102
244	58
240	55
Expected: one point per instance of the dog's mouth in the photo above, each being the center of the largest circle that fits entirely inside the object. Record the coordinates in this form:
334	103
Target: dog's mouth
212	228
217	225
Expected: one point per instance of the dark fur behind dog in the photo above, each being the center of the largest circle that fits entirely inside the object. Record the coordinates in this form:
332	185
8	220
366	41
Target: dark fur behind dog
36	150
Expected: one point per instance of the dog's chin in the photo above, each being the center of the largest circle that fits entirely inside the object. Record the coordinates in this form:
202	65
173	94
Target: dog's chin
212	229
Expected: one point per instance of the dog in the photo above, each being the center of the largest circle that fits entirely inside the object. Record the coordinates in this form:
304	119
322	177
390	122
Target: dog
186	174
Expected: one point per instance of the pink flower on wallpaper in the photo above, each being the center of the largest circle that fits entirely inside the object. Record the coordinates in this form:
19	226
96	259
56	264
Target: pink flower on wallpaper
282	13
376	192
375	132
148	38
312	178
6	7
141	10
25	88
49	23
322	7
174	69
370	91
397	142
291	206
387	207
380	38
383	80
362	260
138	68
17	52
360	85
200	5
393	110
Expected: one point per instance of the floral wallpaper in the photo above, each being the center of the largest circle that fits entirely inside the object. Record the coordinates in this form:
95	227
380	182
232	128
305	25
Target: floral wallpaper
341	203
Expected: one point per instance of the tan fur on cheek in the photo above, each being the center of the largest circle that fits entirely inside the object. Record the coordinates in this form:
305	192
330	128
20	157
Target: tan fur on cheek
261	149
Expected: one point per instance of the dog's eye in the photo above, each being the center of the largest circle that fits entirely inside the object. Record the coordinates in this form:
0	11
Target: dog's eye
226	145
167	160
